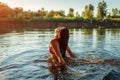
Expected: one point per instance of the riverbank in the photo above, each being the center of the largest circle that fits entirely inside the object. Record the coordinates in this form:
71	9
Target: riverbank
53	24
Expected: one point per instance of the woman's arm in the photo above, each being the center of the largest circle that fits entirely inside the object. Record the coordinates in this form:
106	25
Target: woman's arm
70	52
55	46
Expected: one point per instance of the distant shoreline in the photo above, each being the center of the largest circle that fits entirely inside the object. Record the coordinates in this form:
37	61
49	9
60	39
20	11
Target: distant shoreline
53	24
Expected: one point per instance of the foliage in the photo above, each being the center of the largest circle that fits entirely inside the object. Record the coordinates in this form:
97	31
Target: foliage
102	10
88	14
5	11
115	11
71	13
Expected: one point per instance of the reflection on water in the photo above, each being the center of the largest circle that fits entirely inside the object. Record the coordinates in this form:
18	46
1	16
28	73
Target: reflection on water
23	54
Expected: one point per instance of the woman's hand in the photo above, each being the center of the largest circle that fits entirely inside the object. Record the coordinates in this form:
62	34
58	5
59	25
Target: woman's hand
70	52
62	67
73	56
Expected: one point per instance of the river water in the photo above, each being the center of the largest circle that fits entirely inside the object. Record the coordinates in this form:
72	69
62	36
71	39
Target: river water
23	54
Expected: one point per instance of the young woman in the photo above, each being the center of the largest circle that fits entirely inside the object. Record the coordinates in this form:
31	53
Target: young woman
58	47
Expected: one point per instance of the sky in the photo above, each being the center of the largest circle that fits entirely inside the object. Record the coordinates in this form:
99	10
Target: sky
77	5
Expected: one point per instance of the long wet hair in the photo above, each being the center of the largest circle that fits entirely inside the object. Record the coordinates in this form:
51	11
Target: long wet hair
63	41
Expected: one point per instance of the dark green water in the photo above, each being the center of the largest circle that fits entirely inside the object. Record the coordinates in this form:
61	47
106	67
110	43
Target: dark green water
22	52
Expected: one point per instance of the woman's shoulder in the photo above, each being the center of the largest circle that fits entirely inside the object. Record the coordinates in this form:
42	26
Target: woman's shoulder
54	40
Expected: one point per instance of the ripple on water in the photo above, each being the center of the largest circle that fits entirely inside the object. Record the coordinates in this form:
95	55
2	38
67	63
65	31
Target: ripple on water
34	67
24	56
23	66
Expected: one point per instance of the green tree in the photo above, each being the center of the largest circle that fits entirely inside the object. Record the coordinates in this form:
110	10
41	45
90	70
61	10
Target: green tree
88	12
82	15
28	15
50	13
62	13
91	9
71	12
115	11
43	12
59	14
77	15
108	15
56	14
102	10
18	12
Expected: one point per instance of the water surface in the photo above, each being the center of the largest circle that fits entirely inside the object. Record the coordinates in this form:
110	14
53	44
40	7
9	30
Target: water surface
22	54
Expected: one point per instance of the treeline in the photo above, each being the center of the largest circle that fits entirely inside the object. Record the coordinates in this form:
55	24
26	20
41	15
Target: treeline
87	15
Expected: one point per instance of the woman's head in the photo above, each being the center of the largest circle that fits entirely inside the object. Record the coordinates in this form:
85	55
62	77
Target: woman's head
57	33
62	34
